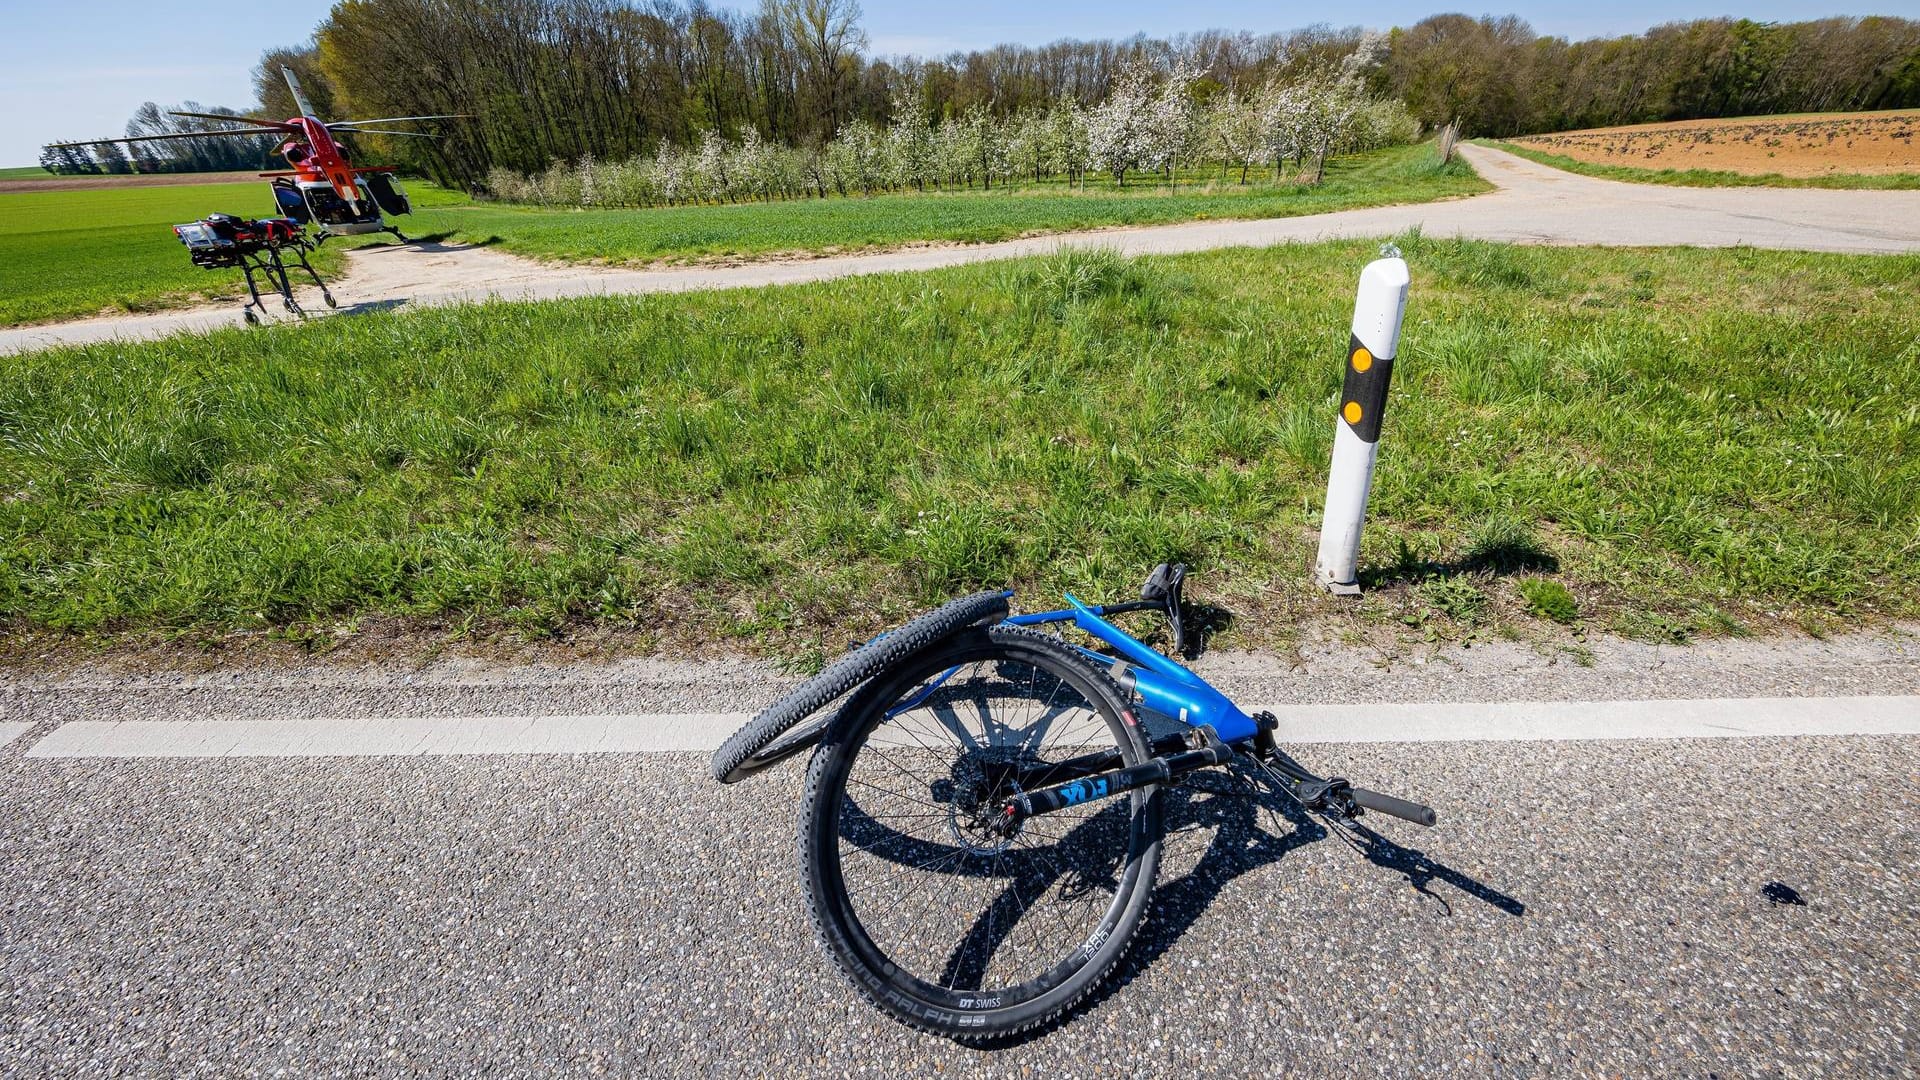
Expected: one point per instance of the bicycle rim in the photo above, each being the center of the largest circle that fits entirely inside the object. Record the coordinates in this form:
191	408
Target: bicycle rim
937	918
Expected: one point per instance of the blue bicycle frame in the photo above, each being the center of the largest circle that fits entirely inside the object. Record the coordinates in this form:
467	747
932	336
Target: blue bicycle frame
1168	689
1163	685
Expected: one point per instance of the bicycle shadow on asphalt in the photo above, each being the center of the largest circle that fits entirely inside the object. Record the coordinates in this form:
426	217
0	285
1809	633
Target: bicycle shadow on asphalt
1233	808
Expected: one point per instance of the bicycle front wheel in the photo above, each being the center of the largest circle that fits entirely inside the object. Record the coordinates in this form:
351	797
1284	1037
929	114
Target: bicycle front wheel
937	918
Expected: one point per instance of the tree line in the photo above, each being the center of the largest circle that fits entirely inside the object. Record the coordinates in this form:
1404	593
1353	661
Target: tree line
216	153
549	81
1500	78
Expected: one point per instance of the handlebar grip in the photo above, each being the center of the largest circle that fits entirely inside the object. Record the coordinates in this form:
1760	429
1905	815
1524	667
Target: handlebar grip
1392	807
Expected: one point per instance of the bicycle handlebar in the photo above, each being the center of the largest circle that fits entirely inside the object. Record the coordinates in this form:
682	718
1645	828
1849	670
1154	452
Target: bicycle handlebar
1400	808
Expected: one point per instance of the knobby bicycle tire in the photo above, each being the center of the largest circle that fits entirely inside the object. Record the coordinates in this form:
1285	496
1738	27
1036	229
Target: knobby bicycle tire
892	982
760	745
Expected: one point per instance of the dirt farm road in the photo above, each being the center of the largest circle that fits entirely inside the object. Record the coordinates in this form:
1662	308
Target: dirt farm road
1533	204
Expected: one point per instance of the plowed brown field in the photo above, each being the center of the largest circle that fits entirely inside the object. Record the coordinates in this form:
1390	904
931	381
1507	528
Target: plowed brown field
102	182
1867	143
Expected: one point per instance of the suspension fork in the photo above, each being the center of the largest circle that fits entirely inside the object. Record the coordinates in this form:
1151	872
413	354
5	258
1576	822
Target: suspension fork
1204	749
1091	776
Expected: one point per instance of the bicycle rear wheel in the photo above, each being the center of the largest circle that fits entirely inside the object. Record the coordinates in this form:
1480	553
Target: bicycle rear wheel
936	918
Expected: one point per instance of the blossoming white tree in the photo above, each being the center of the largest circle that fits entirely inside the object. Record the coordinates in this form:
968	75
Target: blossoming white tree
1171	128
910	145
1235	131
1120	129
1149	122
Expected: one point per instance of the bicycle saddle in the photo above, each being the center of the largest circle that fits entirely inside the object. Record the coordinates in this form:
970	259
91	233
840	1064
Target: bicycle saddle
1164	587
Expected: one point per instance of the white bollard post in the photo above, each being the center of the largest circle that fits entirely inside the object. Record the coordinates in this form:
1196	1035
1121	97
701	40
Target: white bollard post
1377	311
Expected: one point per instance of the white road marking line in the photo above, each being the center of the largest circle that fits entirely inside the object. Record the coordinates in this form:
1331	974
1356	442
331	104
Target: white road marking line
394	737
1568	720
702	732
10	732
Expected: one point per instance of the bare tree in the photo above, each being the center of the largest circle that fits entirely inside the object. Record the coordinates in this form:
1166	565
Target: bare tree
828	36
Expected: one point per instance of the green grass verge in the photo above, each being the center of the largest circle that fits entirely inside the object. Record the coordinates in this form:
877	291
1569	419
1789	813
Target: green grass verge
68	254
1685	440
1710	177
1397	175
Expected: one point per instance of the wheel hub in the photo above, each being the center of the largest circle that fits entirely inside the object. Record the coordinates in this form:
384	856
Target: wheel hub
975	798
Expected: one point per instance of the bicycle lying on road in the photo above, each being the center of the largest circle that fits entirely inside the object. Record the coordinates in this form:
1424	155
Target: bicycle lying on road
983	817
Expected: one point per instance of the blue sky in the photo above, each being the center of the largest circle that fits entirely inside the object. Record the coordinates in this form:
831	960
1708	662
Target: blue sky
78	69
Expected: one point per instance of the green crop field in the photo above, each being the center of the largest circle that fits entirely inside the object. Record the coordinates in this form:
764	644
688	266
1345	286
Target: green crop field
1397	175
67	254
1662	442
25	172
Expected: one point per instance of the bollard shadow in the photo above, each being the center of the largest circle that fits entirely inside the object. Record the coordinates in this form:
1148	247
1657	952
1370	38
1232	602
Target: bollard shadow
1498	558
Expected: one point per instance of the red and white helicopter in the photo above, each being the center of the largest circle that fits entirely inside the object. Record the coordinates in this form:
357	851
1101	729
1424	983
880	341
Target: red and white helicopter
323	188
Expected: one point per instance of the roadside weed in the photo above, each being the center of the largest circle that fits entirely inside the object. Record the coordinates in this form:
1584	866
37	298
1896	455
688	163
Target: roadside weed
1548	599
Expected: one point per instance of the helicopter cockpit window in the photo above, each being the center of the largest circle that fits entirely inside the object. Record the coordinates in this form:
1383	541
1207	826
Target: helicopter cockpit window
329	208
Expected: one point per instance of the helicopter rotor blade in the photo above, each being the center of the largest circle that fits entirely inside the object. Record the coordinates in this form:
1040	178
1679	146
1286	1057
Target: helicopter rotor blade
273	125
157	138
387	131
395	119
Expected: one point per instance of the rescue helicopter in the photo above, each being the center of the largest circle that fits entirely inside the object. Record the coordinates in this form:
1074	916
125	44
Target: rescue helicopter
323	188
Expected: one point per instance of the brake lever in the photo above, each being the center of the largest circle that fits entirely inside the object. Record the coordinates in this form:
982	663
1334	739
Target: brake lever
1333	796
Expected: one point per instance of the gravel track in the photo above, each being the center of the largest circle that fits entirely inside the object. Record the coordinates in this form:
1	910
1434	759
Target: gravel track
1879	662
1533	204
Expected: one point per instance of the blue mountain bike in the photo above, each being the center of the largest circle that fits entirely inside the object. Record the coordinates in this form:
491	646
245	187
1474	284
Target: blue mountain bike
983	818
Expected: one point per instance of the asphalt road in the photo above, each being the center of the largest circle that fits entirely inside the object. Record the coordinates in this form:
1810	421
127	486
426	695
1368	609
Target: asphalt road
1533	204
1585	907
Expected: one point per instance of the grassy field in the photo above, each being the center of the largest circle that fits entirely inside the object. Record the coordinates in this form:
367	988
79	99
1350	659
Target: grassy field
1712	177
25	172
67	254
1397	175
1659	442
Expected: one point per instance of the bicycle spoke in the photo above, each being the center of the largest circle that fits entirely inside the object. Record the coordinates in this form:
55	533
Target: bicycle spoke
1004	906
